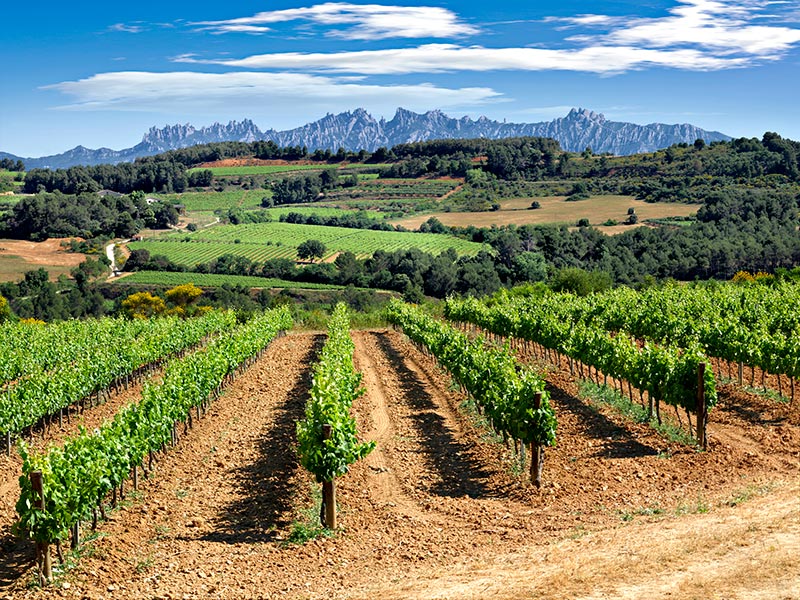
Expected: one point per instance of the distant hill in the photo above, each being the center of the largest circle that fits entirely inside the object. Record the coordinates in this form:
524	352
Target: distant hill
355	130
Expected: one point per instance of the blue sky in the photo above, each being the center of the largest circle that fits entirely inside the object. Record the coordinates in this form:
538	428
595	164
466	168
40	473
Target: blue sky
102	74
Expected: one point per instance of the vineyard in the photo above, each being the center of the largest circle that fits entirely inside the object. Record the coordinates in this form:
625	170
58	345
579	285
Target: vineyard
211	201
171	279
264	241
465	456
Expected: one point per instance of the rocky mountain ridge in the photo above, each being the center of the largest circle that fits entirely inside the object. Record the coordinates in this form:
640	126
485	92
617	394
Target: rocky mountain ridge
354	130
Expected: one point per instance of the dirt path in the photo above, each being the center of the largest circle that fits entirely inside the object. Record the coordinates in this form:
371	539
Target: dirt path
437	511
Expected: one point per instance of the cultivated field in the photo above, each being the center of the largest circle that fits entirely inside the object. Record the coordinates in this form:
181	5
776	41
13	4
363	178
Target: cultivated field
557	211
263	241
437	510
211	201
171	279
19	256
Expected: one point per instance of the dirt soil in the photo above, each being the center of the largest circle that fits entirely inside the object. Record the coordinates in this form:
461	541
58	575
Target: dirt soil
438	510
18	256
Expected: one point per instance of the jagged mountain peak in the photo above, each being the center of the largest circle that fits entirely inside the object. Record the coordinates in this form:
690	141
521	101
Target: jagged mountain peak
358	129
585	114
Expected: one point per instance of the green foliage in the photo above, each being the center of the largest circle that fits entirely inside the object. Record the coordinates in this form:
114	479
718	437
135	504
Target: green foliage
580	282
336	385
5	310
503	388
311	249
59	365
668	373
79	475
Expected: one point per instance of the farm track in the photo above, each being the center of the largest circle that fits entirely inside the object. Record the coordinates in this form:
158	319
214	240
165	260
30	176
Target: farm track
435	512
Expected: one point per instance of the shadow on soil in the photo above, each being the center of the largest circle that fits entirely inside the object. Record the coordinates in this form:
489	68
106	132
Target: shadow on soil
616	440
17	558
445	454
266	510
752	408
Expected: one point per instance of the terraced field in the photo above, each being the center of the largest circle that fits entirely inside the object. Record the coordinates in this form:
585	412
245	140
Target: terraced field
264	241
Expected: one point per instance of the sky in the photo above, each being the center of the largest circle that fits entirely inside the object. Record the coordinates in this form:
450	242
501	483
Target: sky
102	74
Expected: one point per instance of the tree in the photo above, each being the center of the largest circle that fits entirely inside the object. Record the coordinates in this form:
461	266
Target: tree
143	305
183	295
5	310
311	249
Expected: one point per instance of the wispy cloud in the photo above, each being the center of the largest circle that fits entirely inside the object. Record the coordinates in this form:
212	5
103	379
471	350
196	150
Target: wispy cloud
695	35
127	28
256	93
440	58
355	21
722	27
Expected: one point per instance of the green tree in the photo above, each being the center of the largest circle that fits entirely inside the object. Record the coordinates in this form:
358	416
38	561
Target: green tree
311	249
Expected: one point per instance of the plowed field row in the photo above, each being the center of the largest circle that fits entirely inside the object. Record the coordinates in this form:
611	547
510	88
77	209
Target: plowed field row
436	510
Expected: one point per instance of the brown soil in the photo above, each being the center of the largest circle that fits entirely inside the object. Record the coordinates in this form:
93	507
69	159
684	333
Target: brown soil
436	510
18	256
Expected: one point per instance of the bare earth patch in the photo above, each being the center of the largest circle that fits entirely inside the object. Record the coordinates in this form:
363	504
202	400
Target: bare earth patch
556	210
18	256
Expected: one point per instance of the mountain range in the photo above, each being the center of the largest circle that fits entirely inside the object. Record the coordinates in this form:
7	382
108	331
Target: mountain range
579	129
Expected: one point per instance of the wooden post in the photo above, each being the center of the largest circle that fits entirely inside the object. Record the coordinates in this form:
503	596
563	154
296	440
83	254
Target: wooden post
76	536
328	491
8	443
43	558
741	373
702	414
536	449
135	477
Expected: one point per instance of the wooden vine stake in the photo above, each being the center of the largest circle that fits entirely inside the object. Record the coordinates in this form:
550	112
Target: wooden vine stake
702	412
537	457
328	491
43	559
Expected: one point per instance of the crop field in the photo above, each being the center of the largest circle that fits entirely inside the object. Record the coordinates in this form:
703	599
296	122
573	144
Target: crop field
321	210
264	241
211	201
438	509
171	279
555	210
394	189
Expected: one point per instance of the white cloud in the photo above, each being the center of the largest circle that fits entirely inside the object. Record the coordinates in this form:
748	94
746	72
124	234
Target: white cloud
719	26
273	94
356	21
695	35
126	28
439	58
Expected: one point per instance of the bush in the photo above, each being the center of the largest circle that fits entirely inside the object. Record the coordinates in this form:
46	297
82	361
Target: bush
583	222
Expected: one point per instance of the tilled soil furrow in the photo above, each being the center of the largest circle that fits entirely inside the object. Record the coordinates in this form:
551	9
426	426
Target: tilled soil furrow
226	488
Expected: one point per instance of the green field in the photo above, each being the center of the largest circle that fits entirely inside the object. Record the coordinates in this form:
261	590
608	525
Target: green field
166	278
322	211
264	241
211	201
